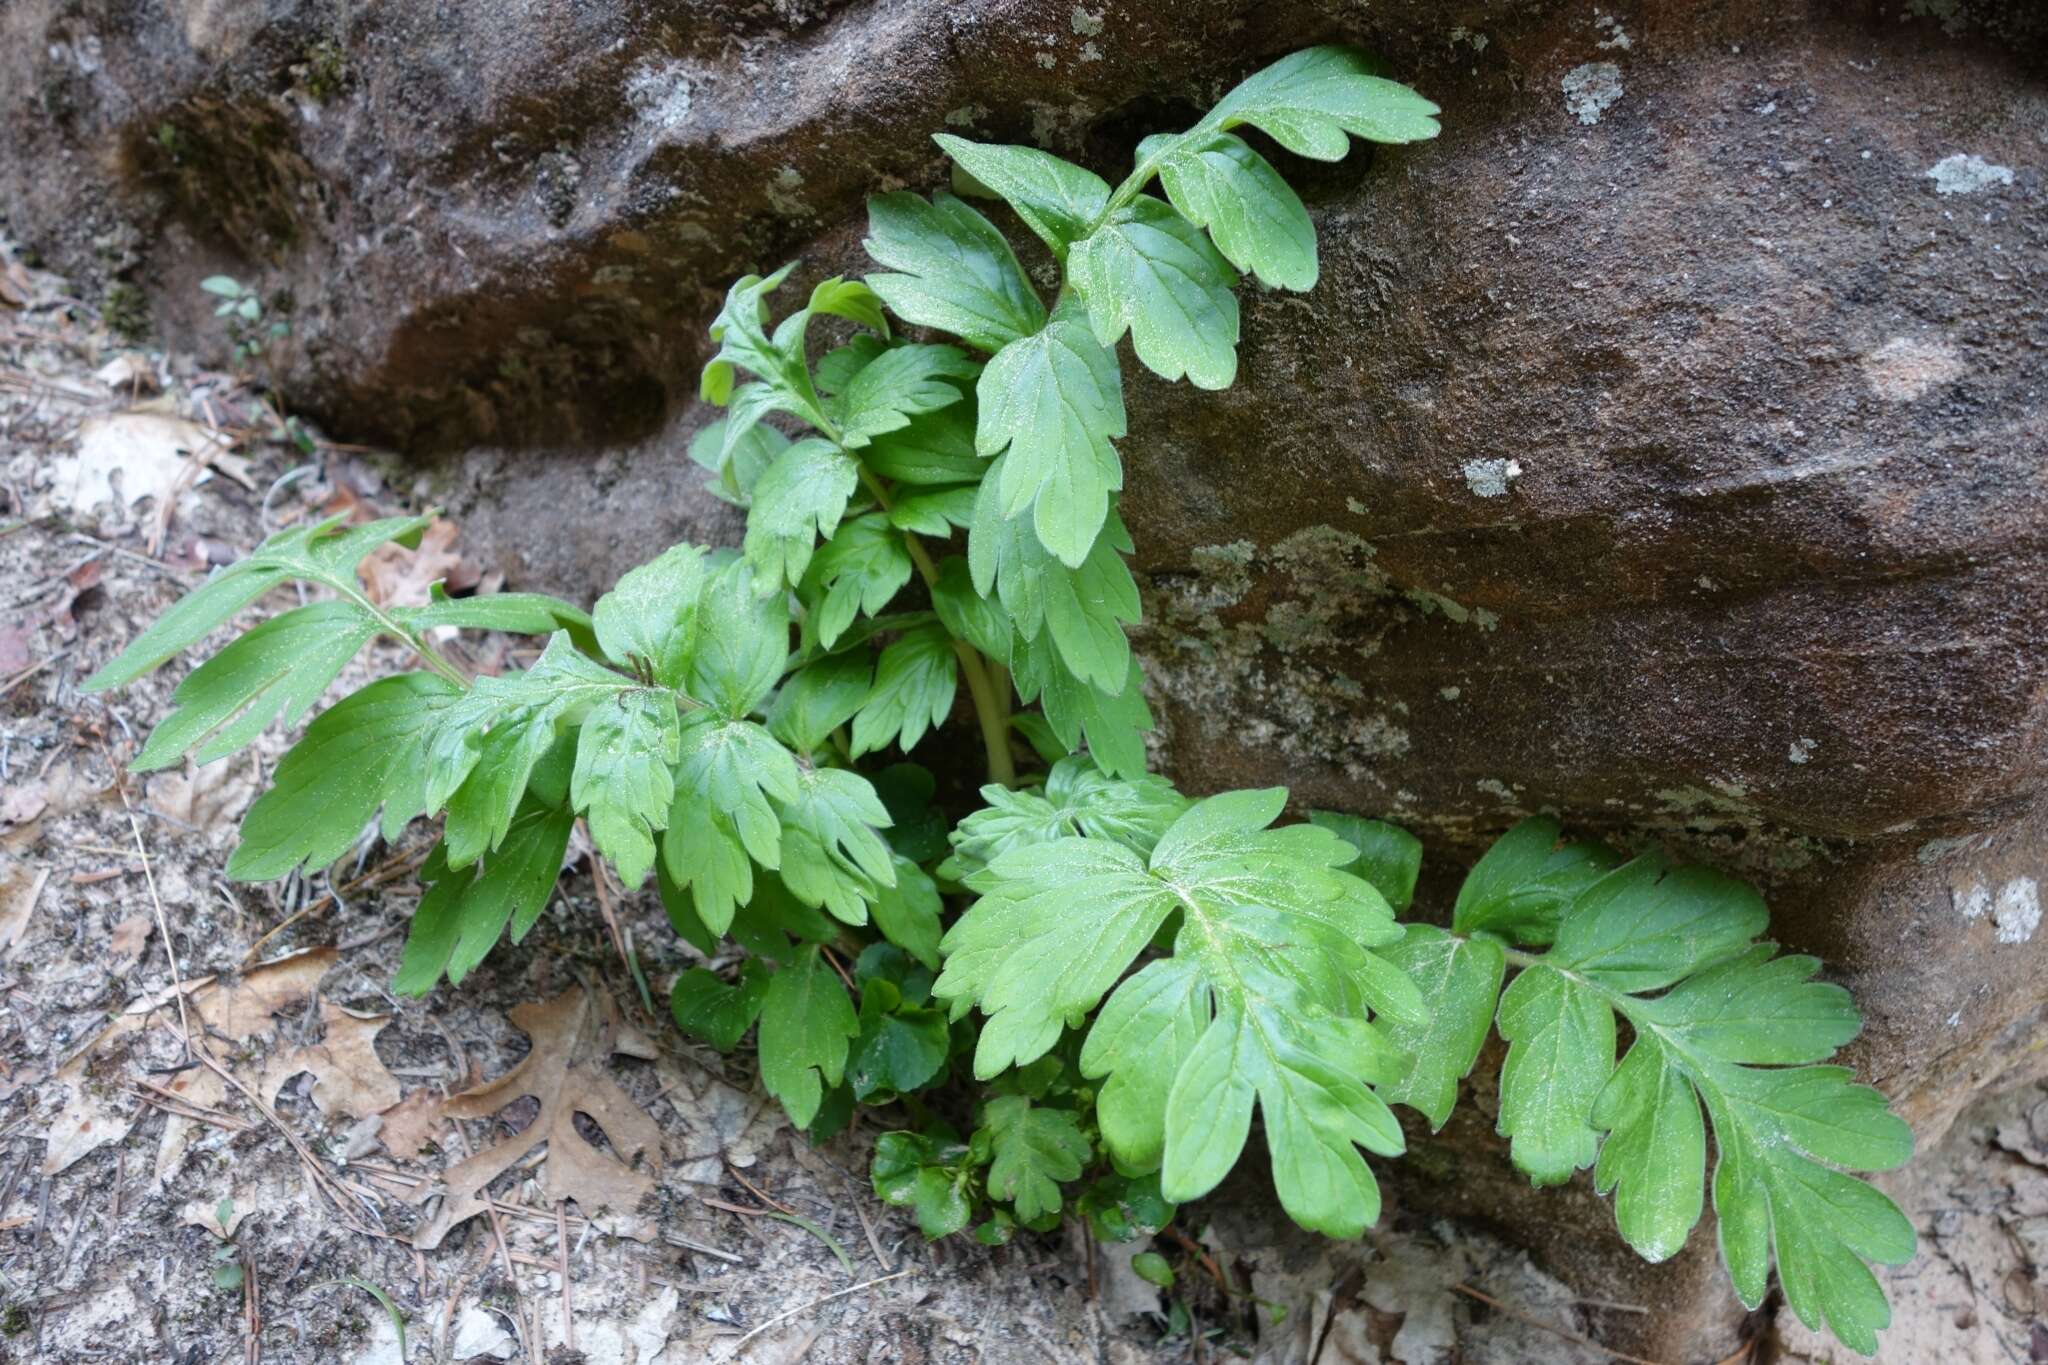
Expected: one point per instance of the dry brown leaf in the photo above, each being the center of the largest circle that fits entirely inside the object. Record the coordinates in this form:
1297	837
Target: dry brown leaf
23	803
145	450
130	937
81	586
348	1077
14	655
573	1036
268	988
128	372
202	1088
211	798
412	1123
21	886
394	576
205	1213
97	1114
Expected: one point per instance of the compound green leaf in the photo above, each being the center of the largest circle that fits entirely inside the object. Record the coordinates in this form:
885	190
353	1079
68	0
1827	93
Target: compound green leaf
801	497
819	698
649	618
624	781
900	383
720	1013
858	571
1056	199
1151	272
1079	798
1256	221
1085	608
742	642
483	751
908	912
1655	1156
1460	983
935	449
1112	724
737	465
1645	925
1560	1053
360	754
832	856
1035	1149
915	681
466	910
967	615
738	770
703	860
1278	940
518	613
778	362
852	300
1309	100
1053	400
275	670
1160	1013
901	1047
324	552
807	1024
937	512
1388	856
1731	1031
1521	887
957	273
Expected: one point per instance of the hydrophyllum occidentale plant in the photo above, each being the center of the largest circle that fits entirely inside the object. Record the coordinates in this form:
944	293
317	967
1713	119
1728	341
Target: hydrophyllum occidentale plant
1135	973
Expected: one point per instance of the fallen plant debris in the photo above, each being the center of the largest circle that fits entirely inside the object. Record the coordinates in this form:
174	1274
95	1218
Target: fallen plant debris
574	1036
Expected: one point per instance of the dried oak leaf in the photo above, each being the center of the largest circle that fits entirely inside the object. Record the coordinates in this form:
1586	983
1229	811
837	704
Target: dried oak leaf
348	1076
129	939
394	576
98	1114
412	1123
573	1035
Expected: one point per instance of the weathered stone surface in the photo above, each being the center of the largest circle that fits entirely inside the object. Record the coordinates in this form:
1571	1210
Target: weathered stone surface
1666	446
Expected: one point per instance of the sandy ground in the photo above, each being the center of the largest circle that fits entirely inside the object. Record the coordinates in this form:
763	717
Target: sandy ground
255	1202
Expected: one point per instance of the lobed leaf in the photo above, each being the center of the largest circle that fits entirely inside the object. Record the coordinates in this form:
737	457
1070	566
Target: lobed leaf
1053	400
806	1025
1056	199
1151	272
359	755
957	273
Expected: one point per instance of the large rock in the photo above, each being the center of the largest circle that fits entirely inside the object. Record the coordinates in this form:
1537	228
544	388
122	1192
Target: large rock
1663	446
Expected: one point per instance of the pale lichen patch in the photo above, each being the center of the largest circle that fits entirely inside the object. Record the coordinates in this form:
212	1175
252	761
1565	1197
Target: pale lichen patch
1491	478
1967	173
1591	90
1907	368
2018	912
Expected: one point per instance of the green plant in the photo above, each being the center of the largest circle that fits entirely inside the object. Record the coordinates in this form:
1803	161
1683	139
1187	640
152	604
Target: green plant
243	309
249	337
1137	973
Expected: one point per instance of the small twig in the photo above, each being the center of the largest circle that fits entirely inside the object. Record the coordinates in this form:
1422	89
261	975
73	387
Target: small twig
562	1255
29	672
1538	1323
780	1318
391	868
505	1254
756	1190
162	925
